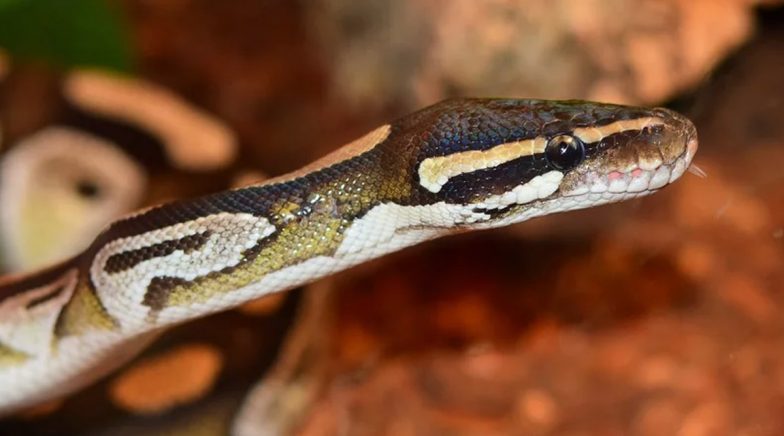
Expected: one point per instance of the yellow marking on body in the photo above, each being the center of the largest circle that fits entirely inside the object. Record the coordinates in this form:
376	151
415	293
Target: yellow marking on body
83	314
175	377
318	233
11	357
595	134
294	244
305	230
193	139
435	172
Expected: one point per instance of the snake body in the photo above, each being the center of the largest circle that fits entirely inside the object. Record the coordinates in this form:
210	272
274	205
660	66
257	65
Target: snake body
459	165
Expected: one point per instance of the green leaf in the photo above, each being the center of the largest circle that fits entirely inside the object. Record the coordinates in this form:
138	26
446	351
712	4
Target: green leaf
65	32
7	3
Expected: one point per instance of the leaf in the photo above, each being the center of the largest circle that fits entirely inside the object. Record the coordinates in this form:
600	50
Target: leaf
65	32
7	3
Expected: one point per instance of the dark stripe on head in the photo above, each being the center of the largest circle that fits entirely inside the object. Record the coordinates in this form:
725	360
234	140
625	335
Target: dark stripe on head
467	187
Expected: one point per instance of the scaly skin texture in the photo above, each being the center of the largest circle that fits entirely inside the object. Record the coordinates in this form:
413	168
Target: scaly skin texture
458	165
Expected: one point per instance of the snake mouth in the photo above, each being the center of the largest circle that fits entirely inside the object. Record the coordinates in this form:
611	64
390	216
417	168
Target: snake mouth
648	172
641	177
495	211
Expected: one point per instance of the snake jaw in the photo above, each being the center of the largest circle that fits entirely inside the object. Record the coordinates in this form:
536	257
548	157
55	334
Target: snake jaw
602	182
641	165
623	160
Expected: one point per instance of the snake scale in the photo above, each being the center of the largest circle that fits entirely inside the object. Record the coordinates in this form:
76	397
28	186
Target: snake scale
462	164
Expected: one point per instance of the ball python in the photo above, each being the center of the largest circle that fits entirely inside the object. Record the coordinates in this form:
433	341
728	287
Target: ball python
82	153
459	165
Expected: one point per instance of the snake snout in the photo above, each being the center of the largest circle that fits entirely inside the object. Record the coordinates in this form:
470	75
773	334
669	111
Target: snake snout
679	138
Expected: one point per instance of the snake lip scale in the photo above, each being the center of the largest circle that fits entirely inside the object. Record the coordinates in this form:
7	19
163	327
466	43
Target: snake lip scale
459	165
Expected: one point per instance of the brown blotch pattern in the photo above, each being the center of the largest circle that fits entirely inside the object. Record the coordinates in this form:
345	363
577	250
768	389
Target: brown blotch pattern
158	290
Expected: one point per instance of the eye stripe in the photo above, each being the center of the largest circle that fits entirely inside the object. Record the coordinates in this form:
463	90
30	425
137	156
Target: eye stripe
597	133
435	172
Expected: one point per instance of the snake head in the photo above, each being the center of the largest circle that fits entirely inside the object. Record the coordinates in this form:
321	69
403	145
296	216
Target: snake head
510	160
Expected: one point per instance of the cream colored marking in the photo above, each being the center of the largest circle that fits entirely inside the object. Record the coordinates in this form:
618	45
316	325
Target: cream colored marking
286	278
354	148
123	292
194	140
539	187
31	330
389	226
435	172
43	217
381	224
594	134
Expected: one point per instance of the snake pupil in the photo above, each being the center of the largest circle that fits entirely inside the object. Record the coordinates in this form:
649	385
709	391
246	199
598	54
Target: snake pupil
564	152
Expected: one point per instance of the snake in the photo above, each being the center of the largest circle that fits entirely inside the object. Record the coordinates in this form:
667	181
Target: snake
460	165
85	157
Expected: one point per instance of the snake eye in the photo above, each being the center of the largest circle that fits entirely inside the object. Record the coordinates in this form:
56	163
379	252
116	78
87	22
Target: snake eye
564	152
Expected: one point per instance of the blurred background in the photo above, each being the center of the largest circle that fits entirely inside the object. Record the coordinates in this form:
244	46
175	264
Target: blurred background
661	315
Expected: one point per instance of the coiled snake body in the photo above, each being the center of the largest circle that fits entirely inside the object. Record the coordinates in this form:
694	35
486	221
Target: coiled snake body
459	165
